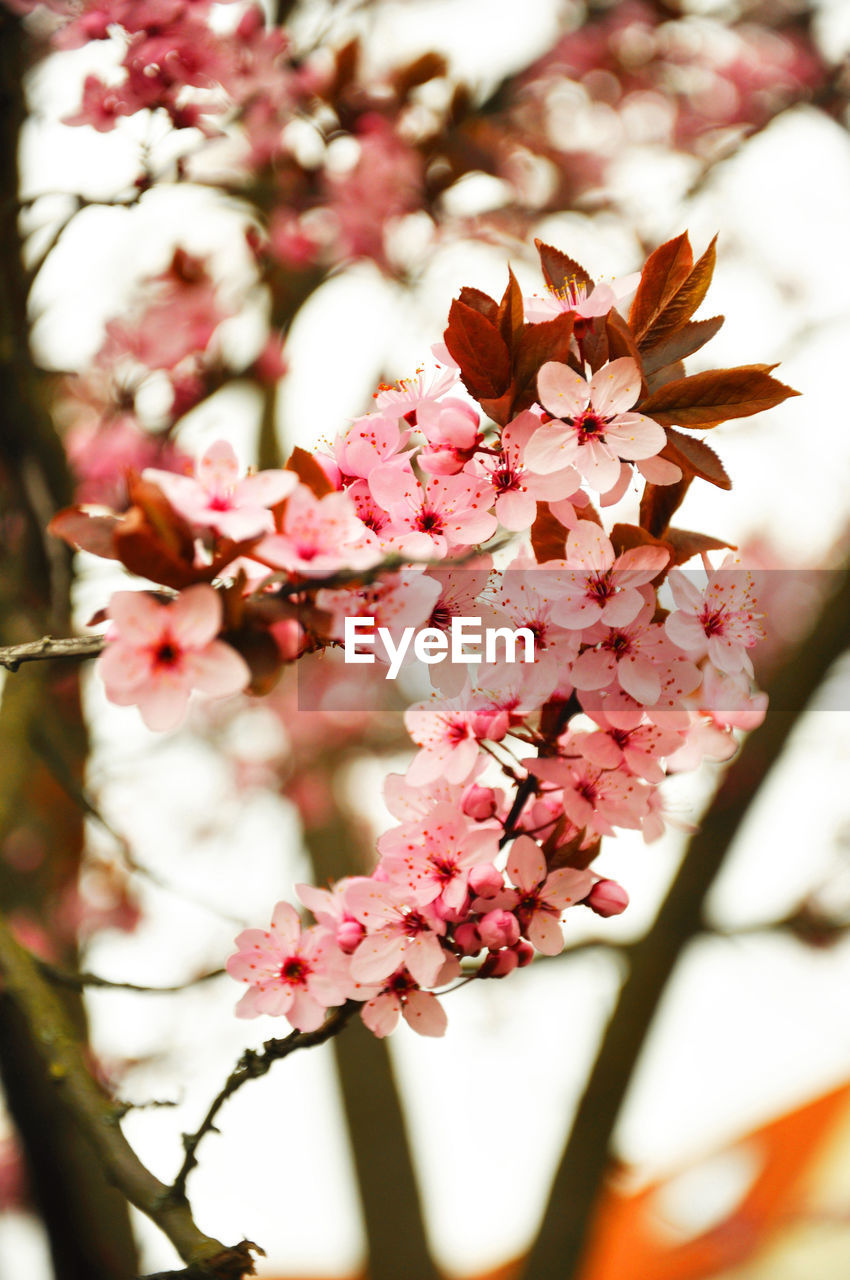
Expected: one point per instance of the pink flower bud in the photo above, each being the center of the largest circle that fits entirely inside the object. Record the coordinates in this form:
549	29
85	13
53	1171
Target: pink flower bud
499	929
498	964
289	638
485	880
524	953
607	898
468	939
479	803
349	935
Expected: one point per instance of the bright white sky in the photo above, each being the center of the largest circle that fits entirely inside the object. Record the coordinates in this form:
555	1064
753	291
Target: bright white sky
749	1026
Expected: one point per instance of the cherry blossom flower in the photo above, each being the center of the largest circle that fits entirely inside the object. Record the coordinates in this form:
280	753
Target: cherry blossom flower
593	428
395	935
540	896
431	859
445	732
517	488
596	585
218	498
429	520
720	620
157	653
451	429
318	536
583	299
597	799
289	972
634	655
401	995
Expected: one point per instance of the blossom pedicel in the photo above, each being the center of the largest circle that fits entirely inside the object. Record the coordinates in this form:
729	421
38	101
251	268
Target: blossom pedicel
539	416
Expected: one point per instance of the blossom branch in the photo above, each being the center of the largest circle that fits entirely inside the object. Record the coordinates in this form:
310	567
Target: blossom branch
13	655
253	1064
79	981
99	1118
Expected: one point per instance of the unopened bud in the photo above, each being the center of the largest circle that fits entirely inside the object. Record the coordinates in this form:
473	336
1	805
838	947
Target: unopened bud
349	935
524	953
499	929
485	880
468	939
498	964
607	898
479	802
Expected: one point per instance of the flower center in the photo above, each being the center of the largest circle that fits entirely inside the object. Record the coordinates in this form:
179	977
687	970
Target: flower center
166	654
505	479
429	521
590	426
713	621
295	970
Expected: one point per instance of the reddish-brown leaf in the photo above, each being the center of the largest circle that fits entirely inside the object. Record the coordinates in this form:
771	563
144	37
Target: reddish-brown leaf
167	525
659	502
593	335
548	535
309	472
511	312
140	548
559	269
665	271
684	302
537	344
625	537
695	457
422	69
86	532
705	399
688	339
480	351
481	302
686	543
670	373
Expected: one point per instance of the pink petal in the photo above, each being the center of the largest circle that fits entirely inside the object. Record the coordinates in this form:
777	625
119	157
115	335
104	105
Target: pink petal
615	387
634	436
544	933
685	631
122	667
598	465
218	469
567	886
659	470
562	391
588	547
593	669
423	1012
516	511
140	619
195	616
640	678
552	448
218	670
381	1014
378	955
526	864
286	926
305	1013
163	705
266	488
424	958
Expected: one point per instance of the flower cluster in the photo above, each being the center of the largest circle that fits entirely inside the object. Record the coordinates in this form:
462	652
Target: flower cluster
520	770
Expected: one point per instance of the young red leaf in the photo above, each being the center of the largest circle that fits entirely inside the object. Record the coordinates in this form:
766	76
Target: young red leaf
659	502
480	351
85	531
688	339
537	344
665	271
686	543
481	302
309	472
511	311
625	537
548	535
559	269
695	457
705	399
684	302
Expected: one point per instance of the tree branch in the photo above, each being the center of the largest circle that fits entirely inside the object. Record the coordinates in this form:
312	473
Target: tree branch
253	1064
12	655
99	1118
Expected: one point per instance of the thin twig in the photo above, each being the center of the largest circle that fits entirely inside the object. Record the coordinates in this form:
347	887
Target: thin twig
12	655
78	981
253	1064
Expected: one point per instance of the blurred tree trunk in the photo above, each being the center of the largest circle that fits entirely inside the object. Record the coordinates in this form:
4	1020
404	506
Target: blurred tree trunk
41	829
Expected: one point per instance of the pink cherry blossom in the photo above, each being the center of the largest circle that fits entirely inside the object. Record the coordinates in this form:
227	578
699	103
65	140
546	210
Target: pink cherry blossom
429	520
431	859
540	896
516	486
451	428
445	732
318	536
593	428
401	995
395	935
720	621
635	655
596	585
289	972
584	299
218	498
597	799
157	653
